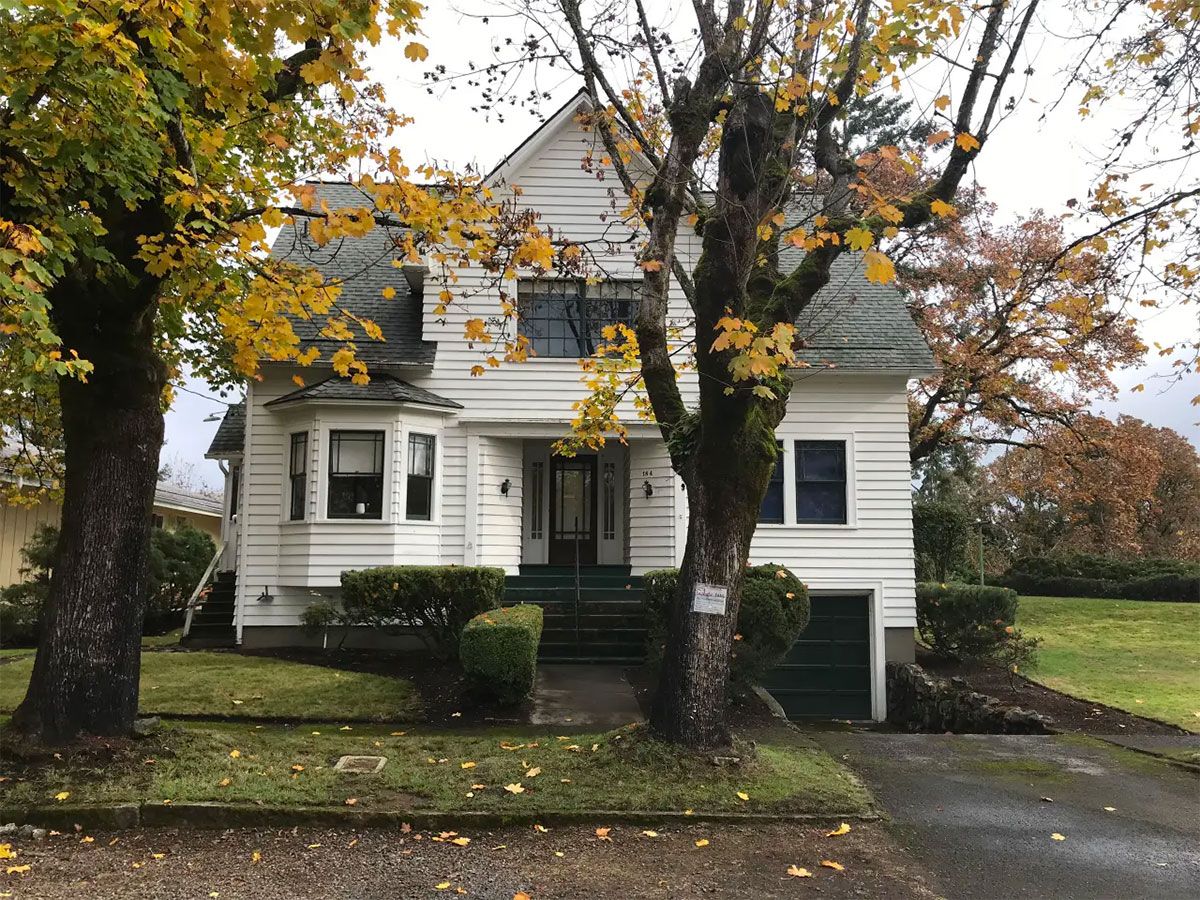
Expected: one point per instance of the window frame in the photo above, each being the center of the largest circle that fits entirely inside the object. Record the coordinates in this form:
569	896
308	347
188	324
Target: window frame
431	478
847	449
297	477
780	470
531	284
382	443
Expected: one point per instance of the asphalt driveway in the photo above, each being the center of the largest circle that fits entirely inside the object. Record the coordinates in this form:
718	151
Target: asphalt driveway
980	812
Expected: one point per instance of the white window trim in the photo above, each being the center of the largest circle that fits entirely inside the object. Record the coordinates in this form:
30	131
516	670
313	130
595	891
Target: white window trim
326	429
789	481
435	510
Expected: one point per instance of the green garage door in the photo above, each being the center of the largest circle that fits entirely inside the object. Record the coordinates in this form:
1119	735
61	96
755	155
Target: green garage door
827	674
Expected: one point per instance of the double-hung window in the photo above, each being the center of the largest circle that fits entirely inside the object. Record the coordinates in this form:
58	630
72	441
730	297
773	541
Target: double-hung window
355	475
821	482
565	318
298	476
771	512
421	451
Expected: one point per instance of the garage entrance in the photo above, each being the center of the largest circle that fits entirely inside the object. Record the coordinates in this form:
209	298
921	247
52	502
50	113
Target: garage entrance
827	674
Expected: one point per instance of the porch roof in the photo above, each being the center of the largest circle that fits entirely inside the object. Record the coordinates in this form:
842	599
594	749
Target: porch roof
382	388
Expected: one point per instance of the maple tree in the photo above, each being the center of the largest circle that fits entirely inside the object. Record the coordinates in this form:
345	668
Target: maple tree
145	150
1128	488
726	136
1025	339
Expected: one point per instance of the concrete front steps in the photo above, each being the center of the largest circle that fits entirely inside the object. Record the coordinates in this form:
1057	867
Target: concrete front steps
600	620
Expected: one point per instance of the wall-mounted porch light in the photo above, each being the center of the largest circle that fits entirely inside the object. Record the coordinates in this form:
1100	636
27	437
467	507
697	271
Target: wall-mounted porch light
505	486
647	489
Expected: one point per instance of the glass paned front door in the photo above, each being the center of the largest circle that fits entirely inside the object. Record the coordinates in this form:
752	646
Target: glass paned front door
573	511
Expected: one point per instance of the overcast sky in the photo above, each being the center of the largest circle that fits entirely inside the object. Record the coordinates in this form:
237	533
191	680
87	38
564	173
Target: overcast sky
1028	163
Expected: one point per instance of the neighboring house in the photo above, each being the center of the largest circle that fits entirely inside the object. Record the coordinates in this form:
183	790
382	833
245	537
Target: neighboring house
173	507
428	465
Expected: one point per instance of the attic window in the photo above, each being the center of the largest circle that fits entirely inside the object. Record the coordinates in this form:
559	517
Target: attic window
565	318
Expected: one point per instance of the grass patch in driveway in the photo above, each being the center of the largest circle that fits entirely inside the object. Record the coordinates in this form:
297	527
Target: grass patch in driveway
1141	657
282	766
228	684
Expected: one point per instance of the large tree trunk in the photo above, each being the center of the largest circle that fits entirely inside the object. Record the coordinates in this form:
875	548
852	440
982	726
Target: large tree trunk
85	675
726	480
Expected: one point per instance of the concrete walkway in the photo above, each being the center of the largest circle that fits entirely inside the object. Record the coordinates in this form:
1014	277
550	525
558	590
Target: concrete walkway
583	696
980	812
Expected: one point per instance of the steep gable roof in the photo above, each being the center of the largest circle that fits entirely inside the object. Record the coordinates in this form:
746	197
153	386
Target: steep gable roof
363	266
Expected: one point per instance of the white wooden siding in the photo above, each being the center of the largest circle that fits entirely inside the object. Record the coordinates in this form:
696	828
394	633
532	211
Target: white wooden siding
480	446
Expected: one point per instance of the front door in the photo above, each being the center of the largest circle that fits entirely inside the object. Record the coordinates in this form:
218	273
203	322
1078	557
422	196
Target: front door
572	511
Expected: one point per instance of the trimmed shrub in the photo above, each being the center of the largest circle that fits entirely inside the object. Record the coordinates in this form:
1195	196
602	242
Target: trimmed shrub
965	621
435	601
498	651
940	533
773	613
1177	588
1092	575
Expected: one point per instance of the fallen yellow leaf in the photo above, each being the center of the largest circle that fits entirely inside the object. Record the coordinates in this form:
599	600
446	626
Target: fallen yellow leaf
256	856
533	773
441	886
703	842
399	733
540	829
742	795
7	852
839	831
62	795
351	801
87	839
799	872
830	864
650	834
602	833
1058	837
521	895
225	782
1110	809
461	841
16	870
514	788
157	855
467	765
234	754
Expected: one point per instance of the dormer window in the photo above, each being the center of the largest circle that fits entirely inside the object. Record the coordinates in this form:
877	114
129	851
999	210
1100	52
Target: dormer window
565	318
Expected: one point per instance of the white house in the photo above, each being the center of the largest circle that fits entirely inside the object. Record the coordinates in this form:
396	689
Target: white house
429	465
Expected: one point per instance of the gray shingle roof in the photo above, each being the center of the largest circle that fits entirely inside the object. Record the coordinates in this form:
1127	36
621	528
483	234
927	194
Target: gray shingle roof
363	267
231	433
381	389
854	323
172	495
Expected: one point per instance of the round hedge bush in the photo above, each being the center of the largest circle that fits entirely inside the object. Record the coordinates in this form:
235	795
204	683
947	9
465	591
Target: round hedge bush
773	613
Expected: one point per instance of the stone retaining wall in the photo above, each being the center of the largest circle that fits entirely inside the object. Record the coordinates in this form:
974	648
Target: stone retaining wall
920	702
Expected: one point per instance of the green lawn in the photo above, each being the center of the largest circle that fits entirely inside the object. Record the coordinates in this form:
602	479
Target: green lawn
151	642
227	684
1137	656
619	770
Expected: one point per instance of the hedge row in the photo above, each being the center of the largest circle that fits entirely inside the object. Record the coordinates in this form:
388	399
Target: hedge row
774	611
1092	575
498	651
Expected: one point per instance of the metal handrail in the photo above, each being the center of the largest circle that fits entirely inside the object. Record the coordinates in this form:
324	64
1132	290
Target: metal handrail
578	637
192	604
